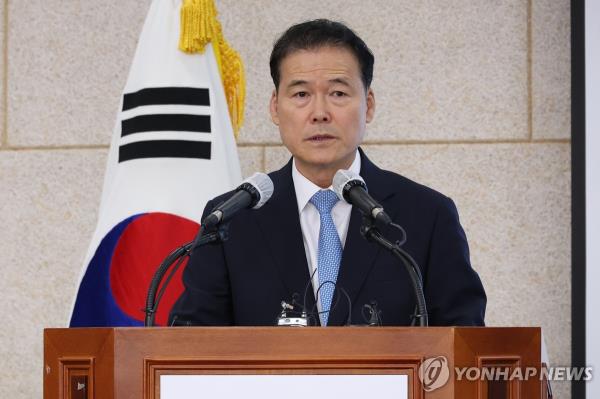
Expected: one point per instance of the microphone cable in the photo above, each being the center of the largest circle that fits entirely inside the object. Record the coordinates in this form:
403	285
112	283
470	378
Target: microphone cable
152	300
174	269
308	284
334	305
404	236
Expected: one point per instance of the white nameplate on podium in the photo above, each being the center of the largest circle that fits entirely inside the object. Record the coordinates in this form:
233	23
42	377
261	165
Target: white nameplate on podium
262	386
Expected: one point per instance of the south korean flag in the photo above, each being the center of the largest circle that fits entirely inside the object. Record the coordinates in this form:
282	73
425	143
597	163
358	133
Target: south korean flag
172	150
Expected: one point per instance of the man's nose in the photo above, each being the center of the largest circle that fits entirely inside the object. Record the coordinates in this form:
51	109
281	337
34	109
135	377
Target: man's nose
320	111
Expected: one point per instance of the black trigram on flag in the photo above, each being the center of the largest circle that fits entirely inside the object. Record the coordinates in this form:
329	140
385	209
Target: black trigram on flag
167	123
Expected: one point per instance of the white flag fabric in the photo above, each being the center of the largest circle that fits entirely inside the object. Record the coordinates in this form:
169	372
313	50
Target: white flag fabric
172	150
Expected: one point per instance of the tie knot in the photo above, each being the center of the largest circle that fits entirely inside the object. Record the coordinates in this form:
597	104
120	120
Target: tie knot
324	201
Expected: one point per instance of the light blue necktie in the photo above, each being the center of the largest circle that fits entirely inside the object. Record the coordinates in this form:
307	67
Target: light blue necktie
330	249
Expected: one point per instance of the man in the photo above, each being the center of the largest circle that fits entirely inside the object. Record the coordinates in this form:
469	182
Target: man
321	103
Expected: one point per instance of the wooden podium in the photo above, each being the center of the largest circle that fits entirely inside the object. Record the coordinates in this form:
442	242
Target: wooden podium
127	363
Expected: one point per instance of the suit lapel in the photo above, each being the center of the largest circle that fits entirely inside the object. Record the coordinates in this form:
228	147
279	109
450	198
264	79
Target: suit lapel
359	256
279	223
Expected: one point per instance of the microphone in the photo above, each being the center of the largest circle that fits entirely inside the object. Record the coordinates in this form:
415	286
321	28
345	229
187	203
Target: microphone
350	187
253	193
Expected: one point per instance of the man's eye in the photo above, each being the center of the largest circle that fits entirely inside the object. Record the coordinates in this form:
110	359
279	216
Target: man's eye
338	93
301	94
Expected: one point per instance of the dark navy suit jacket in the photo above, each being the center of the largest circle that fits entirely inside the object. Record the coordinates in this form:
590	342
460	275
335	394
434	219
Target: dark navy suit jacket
243	280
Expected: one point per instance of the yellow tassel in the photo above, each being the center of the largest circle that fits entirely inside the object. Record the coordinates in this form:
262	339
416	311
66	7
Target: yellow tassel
199	26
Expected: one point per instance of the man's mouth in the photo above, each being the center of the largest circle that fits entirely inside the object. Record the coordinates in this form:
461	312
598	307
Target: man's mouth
320	137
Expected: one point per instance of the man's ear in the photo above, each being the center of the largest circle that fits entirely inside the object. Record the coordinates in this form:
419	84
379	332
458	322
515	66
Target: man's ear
370	105
273	108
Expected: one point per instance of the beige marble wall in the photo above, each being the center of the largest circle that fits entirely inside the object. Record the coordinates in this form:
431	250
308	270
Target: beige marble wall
473	99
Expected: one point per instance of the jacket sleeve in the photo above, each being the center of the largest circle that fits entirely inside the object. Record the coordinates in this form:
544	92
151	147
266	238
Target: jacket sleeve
453	290
206	299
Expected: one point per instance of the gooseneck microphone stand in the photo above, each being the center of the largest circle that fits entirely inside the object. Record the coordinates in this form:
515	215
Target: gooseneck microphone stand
372	234
176	257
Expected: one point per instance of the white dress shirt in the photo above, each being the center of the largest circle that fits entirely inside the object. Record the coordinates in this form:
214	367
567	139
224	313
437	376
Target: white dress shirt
310	220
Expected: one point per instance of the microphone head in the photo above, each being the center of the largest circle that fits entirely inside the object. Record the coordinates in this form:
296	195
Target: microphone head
263	185
343	181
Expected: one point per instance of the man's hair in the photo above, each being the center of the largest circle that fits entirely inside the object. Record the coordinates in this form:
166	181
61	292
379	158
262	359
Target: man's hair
311	35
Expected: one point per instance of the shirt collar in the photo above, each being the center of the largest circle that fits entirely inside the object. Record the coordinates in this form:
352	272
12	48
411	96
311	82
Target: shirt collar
305	189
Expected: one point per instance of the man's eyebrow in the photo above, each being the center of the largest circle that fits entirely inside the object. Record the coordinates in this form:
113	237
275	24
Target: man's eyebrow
297	82
342	81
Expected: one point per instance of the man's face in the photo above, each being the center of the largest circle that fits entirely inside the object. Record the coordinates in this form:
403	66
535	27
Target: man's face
321	108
